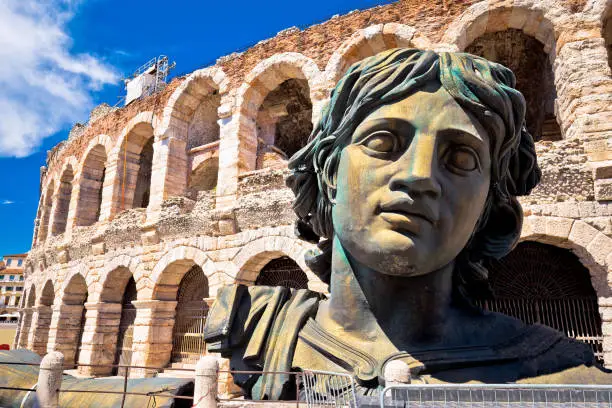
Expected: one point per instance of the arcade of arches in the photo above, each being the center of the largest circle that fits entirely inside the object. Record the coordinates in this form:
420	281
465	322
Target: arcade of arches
149	210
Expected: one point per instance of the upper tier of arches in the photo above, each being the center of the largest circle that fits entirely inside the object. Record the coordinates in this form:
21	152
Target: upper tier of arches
209	132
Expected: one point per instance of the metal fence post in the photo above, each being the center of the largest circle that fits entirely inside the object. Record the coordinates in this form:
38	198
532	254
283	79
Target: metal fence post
50	380
206	377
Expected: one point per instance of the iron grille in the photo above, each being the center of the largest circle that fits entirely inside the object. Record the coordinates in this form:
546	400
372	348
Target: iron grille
282	272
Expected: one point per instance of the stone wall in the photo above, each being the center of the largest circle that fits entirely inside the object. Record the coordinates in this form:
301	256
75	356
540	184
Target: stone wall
232	230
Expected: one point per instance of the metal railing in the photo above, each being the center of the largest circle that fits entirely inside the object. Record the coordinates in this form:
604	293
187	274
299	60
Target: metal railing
314	388
328	389
496	395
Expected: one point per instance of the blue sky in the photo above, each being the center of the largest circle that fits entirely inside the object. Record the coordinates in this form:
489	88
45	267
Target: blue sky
61	57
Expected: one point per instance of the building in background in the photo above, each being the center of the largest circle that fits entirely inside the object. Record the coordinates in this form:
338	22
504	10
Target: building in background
148	209
11	286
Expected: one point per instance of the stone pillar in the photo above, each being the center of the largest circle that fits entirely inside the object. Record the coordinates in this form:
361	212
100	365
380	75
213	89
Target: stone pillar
582	78
99	341
50	380
229	157
65	331
15	344
72	207
169	172
111	189
26	328
205	389
605	311
152	343
39	332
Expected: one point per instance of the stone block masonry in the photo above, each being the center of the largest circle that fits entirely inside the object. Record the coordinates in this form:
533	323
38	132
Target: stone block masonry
193	176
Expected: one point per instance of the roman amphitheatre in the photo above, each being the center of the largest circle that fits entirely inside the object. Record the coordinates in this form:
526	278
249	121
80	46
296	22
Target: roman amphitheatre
148	209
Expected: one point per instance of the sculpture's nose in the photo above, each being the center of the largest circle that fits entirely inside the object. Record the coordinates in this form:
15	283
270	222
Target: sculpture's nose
417	168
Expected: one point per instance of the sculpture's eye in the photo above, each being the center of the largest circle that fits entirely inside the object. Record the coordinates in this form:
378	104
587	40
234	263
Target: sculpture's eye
462	159
381	141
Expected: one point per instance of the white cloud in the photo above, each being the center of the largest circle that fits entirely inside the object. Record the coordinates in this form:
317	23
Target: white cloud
43	86
7	202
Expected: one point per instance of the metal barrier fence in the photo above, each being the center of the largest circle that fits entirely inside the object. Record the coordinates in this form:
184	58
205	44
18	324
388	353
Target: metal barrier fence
496	395
328	389
315	389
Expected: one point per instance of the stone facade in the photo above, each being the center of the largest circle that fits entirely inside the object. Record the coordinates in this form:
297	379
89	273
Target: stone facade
214	197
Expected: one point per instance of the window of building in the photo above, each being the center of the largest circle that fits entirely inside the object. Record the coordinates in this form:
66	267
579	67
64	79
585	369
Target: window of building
19	288
1	277
17	299
21	277
12	278
8	262
20	262
9	288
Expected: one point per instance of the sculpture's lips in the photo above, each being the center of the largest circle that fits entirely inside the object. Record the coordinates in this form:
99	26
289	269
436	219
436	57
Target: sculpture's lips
409	209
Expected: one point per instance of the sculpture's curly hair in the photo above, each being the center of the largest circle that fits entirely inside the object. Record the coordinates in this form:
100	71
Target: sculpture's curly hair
485	89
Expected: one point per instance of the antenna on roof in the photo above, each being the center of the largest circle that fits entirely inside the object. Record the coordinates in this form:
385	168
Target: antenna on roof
148	79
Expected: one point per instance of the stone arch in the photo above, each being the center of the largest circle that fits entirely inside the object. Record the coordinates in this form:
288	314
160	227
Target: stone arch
172	266
114	281
534	18
523	39
288	69
256	254
369	41
47	296
90	178
547	284
45	218
29	300
593	248
42	319
132	158
183	277
194	106
70	323
63	198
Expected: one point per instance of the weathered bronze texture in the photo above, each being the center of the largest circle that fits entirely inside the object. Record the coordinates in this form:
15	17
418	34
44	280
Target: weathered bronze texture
407	185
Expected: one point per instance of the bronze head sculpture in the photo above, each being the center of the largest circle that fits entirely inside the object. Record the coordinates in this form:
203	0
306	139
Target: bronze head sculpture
408	184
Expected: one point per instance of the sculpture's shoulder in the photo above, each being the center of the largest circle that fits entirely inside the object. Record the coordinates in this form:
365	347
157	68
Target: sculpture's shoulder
542	352
498	349
257	327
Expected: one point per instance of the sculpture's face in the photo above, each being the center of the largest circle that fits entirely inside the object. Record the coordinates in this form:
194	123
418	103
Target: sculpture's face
412	184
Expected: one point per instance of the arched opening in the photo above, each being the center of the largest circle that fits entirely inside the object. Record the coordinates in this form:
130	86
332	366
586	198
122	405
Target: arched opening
284	123
142	191
526	57
123	354
284	272
135	167
91	183
607	33
203	127
72	321
43	321
191	310
64	193
47	203
29	300
204	177
540	283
